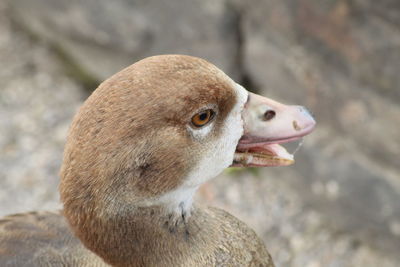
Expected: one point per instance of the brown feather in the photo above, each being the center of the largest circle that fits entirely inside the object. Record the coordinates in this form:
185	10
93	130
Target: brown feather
42	239
128	145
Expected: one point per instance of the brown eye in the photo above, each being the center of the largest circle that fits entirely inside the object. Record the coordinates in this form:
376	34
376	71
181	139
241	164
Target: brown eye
203	117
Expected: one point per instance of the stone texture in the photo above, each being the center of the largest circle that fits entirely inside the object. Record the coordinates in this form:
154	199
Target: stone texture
104	36
340	58
37	102
295	234
339	205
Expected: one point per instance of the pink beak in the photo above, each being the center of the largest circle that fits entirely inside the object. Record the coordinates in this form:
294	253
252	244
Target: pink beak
267	124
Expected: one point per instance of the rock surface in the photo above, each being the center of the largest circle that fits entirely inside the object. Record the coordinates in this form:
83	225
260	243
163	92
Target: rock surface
37	102
329	58
339	205
104	36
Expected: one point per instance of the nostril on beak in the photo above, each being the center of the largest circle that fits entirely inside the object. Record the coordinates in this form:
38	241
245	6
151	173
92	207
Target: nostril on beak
269	115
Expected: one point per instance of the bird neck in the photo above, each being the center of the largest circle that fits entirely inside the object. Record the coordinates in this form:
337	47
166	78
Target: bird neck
137	234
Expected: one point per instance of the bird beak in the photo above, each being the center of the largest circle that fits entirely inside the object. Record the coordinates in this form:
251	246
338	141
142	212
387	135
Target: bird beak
268	123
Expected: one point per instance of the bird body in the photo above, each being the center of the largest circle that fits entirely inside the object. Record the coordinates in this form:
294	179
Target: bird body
137	151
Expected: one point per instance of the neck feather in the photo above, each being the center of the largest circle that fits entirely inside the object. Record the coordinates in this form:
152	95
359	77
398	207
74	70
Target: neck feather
155	224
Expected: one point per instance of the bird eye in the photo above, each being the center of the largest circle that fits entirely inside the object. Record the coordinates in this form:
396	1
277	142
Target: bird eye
203	117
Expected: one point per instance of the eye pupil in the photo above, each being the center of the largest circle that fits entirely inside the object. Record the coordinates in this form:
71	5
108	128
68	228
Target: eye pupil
203	116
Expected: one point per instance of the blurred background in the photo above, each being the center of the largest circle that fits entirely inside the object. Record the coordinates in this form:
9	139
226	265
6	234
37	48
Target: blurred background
339	205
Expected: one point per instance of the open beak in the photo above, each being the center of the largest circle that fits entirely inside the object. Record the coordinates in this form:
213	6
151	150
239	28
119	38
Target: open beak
267	124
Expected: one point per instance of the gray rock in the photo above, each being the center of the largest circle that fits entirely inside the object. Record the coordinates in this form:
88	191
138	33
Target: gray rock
102	37
37	102
341	59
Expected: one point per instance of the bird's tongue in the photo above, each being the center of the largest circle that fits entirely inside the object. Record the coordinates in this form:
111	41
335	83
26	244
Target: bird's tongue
263	155
273	150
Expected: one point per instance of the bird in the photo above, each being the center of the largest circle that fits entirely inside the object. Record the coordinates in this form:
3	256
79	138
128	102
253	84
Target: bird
136	153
